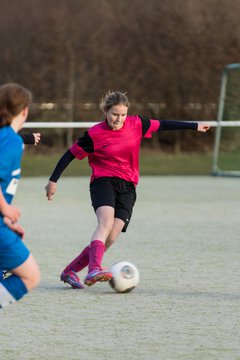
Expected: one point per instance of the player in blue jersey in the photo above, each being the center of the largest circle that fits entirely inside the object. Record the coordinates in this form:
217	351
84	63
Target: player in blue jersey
28	139
14	255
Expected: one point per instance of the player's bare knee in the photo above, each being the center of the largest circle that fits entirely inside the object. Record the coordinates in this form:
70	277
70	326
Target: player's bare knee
107	225
34	279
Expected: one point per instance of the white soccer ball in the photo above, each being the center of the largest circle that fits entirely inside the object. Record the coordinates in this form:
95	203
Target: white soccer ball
125	277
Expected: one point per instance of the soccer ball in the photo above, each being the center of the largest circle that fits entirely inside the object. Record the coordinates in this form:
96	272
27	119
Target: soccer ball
125	277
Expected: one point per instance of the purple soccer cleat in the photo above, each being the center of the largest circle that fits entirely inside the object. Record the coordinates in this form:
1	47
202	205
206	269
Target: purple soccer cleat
72	279
97	275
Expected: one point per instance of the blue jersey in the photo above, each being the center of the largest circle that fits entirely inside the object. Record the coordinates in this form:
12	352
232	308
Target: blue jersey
11	149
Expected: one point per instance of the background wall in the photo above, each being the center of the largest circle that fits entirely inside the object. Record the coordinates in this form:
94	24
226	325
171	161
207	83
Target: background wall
168	56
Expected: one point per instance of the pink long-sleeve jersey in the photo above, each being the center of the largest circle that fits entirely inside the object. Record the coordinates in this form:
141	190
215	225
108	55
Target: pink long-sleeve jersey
115	152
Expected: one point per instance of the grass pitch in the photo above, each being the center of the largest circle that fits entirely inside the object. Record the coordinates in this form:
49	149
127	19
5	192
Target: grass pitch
184	239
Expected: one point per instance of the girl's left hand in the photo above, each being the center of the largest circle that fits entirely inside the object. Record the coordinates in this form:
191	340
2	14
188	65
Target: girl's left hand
37	138
203	127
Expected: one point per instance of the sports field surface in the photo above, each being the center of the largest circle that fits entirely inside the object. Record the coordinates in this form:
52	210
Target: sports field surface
184	238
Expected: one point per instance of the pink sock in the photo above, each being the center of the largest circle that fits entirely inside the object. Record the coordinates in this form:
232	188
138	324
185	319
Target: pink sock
96	252
80	262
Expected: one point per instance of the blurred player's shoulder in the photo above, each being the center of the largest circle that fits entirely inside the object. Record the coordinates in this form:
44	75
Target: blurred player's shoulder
9	136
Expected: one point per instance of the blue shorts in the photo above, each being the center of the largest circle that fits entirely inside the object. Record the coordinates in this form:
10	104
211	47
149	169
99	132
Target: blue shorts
13	252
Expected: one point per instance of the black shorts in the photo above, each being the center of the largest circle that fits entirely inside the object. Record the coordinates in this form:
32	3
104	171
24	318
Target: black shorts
117	193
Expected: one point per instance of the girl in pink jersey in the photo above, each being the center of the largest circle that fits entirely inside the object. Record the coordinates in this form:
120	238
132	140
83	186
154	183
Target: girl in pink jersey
112	147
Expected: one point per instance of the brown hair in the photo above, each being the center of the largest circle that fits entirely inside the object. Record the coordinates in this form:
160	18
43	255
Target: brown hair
113	98
13	99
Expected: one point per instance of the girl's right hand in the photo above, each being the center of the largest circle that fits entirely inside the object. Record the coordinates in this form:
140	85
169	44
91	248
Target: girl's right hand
51	188
11	212
17	228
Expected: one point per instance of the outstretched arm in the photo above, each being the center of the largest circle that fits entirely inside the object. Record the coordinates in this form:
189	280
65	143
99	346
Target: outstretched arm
183	125
150	126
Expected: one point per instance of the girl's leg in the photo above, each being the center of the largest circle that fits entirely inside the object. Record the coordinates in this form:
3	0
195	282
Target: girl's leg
91	255
69	273
115	232
28	272
80	262
105	218
23	279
